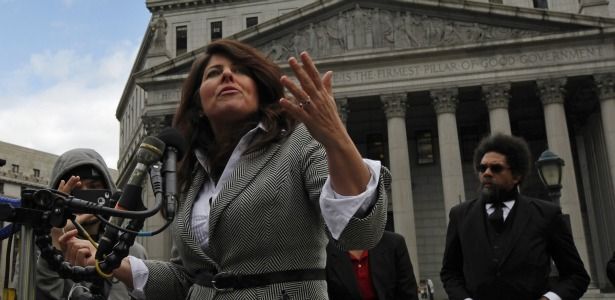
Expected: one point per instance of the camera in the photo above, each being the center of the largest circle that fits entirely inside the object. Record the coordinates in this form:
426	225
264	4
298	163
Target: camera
98	196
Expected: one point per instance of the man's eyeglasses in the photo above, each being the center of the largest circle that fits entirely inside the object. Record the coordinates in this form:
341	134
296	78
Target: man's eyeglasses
495	168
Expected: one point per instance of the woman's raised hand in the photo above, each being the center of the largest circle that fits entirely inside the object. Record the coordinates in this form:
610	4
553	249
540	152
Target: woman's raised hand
313	103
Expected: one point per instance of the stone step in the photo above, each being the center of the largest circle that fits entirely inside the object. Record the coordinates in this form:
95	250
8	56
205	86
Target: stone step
596	294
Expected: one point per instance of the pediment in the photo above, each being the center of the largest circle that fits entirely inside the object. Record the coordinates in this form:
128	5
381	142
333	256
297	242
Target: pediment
173	70
342	28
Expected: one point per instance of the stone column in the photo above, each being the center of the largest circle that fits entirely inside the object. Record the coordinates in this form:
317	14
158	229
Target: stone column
605	84
551	92
445	104
342	109
497	96
401	185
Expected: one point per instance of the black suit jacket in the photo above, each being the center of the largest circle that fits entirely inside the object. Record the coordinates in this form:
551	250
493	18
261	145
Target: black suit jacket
610	269
539	233
389	265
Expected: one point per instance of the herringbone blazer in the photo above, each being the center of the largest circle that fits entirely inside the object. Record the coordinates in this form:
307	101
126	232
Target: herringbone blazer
266	218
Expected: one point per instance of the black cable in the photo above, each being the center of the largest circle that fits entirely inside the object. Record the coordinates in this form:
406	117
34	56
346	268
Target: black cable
140	233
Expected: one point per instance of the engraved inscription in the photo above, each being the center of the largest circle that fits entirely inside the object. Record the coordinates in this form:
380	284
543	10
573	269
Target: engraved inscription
479	64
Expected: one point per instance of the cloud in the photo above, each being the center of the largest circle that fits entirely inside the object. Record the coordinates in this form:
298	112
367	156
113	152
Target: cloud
65	100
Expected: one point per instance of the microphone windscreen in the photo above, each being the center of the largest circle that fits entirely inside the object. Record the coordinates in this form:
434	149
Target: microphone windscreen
150	150
172	138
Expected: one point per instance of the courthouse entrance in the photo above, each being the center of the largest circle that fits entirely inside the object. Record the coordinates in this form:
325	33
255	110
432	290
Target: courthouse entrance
420	83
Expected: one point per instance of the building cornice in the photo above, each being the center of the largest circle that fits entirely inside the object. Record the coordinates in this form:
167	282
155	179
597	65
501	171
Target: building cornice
158	5
515	11
20	179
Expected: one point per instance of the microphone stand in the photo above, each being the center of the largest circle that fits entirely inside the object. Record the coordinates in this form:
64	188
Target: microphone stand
27	265
39	210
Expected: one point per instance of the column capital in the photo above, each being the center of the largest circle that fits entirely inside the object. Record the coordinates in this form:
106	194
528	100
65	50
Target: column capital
605	85
496	95
394	105
445	100
551	90
154	124
342	108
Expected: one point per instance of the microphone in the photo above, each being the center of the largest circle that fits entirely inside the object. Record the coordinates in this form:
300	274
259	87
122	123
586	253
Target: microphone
149	152
175	149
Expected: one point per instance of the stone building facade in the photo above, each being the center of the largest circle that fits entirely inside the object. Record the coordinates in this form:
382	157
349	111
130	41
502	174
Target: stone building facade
419	83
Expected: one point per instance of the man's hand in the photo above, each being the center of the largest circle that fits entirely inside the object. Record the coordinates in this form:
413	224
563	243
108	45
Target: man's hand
68	186
77	252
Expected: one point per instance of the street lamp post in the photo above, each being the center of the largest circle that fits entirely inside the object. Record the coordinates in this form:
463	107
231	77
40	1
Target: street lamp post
549	167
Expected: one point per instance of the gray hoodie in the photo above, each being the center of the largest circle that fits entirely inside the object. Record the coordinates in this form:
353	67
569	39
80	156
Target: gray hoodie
48	282
72	159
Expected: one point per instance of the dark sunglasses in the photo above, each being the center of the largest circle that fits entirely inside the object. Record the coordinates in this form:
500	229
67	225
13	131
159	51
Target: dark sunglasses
495	168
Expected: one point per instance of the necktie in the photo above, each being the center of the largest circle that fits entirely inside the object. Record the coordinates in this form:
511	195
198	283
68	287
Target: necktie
497	216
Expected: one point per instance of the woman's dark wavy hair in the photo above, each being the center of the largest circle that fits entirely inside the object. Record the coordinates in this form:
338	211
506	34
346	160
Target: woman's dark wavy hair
195	126
516	150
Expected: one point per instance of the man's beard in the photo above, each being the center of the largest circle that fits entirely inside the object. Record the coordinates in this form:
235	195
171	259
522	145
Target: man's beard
495	193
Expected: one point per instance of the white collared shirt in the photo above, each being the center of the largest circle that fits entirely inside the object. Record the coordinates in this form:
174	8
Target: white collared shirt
508	205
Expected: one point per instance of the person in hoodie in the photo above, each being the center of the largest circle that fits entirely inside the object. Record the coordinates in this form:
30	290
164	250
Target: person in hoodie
78	169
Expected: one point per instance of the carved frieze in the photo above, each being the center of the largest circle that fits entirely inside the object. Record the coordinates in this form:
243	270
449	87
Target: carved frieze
445	100
394	105
496	95
605	86
551	90
364	28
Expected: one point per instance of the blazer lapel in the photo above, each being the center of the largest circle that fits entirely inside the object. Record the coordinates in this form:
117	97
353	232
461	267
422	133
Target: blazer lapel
475	227
344	271
249	166
184	219
379	268
522	218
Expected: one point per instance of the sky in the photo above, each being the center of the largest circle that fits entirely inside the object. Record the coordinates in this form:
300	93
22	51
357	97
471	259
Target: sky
63	67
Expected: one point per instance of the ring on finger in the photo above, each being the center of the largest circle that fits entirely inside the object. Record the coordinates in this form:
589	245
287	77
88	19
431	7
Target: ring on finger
305	102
